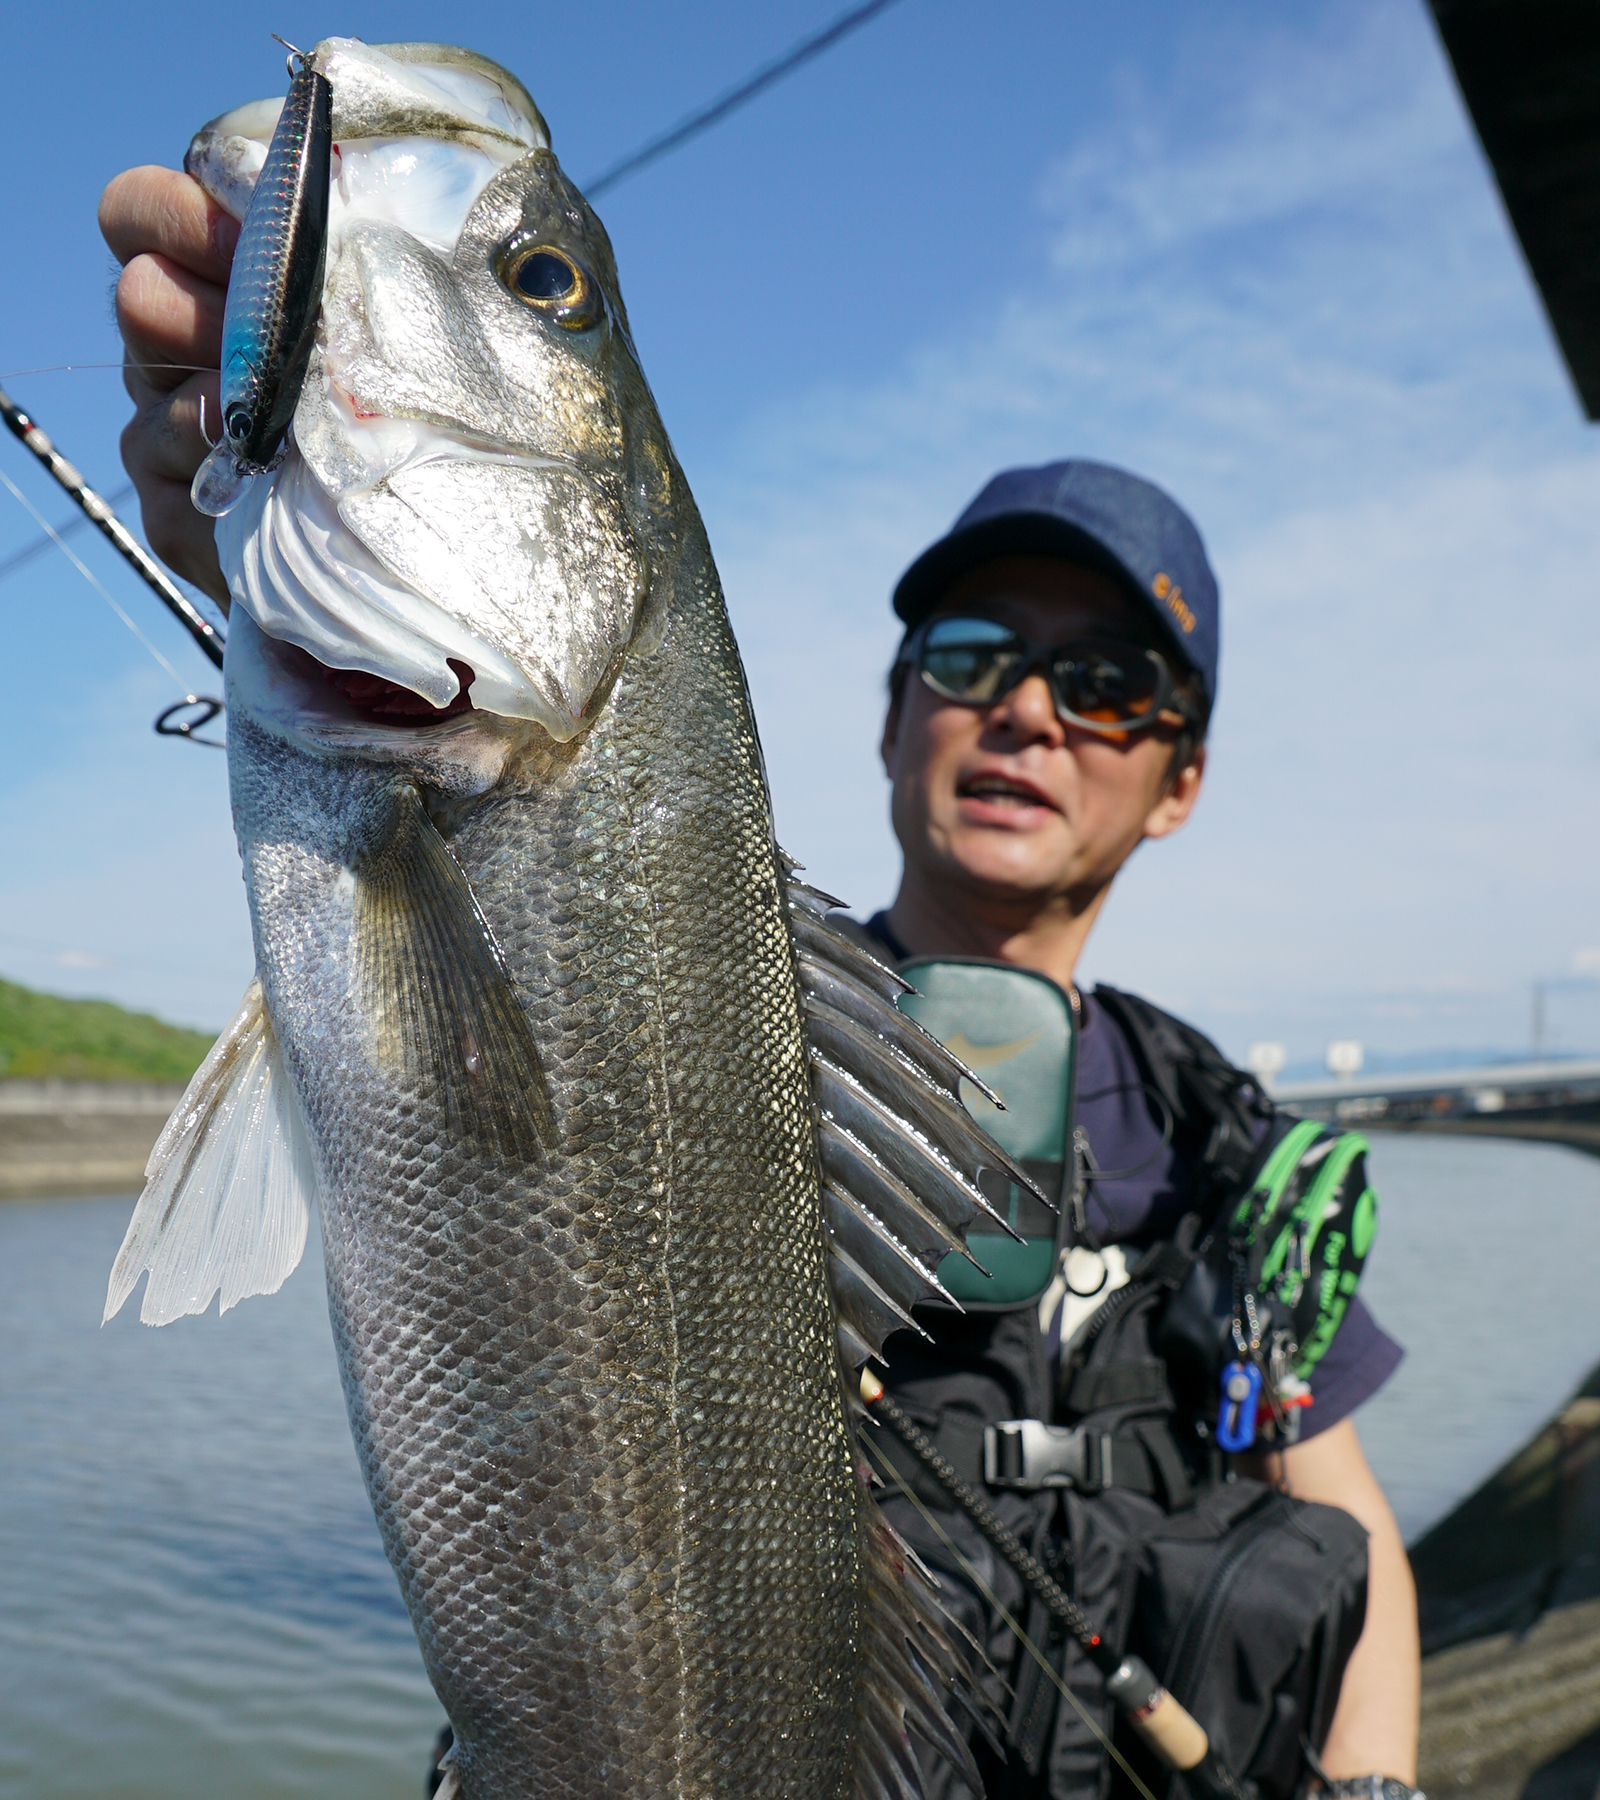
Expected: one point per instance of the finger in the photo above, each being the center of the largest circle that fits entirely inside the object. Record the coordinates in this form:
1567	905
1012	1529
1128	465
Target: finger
161	449
184	539
163	212
168	315
162	441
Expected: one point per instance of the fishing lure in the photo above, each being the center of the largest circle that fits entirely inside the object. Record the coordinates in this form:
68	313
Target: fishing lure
274	294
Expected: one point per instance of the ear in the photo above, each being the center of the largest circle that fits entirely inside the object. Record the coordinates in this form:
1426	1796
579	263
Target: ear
1175	805
890	741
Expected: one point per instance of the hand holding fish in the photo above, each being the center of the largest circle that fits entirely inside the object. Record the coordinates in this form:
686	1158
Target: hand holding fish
176	246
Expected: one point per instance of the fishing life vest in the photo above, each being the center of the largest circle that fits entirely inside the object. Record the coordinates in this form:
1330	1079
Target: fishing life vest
1246	1602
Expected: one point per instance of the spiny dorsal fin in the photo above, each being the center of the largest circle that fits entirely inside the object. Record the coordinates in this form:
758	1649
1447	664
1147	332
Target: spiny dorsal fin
916	1656
228	1186
901	1154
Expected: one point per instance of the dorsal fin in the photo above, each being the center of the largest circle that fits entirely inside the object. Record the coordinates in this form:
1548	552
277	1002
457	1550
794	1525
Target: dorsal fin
228	1186
900	1153
900	1158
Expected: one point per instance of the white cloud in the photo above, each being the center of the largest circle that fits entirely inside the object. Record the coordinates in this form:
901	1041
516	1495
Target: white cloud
82	959
1300	311
1279	284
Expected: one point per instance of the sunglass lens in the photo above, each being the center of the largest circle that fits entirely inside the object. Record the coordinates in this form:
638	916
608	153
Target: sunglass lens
969	659
1107	684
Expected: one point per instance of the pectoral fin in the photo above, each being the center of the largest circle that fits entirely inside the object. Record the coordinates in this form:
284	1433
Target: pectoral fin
435	989
228	1185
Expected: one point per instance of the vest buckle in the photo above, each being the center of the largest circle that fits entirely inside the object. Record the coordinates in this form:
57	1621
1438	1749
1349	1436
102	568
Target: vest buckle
1026	1455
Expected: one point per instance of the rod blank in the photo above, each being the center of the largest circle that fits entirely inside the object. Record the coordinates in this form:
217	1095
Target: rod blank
204	633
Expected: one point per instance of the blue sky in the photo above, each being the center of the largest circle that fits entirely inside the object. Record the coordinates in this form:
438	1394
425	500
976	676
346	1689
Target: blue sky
1250	251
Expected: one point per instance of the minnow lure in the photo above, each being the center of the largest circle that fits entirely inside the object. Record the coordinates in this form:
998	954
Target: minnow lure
274	293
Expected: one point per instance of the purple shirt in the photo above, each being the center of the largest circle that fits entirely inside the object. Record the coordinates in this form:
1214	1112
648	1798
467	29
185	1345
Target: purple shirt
1136	1208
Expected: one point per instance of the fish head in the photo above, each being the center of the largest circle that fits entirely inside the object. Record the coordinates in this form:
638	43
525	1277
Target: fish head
478	488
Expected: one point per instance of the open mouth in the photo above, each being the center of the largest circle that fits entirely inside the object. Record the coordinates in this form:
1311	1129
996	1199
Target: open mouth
1001	790
384	702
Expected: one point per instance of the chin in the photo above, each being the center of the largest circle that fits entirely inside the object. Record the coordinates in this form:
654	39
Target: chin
1014	869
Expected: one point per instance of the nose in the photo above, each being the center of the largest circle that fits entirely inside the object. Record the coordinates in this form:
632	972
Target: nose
1029	712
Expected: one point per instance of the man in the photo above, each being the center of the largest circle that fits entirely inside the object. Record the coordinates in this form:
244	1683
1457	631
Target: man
1013	813
1023	777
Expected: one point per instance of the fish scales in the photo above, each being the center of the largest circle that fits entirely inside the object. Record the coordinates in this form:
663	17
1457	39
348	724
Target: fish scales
592	1402
531	1024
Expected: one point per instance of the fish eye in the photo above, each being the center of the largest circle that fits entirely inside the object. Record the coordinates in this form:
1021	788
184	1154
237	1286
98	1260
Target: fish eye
549	281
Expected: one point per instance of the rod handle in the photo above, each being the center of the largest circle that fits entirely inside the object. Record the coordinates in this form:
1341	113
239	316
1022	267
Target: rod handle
1178	1739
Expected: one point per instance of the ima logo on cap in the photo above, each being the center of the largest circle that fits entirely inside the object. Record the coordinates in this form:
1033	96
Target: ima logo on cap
1167	589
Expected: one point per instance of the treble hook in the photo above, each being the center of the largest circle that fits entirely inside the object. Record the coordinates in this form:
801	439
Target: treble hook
186	728
294	51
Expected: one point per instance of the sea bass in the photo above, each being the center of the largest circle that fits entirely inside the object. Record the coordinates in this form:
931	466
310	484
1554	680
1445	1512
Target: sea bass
625	1159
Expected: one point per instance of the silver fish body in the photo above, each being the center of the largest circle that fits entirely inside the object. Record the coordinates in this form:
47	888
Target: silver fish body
594	1395
533	996
594	1389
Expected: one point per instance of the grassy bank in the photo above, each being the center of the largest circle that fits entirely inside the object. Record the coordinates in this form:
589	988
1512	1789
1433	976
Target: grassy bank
43	1036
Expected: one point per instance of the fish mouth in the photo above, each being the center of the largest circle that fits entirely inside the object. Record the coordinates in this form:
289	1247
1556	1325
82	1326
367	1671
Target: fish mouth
524	571
283	691
379	701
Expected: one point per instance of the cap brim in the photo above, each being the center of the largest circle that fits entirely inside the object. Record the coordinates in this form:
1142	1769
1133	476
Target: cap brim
932	575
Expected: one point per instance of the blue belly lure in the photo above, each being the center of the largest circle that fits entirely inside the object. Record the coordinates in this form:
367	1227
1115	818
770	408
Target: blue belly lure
274	294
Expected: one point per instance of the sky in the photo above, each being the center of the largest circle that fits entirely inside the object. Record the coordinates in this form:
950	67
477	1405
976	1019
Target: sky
1252	252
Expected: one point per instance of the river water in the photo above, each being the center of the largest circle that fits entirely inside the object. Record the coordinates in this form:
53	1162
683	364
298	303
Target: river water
193	1601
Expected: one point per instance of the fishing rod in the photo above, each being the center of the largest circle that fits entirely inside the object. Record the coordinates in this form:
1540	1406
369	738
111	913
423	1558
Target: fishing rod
204	633
767	76
1171	1732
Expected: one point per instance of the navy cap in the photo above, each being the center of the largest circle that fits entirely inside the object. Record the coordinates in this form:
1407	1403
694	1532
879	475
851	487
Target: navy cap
1099	517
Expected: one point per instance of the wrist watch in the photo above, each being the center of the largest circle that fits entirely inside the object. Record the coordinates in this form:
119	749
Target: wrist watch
1371	1787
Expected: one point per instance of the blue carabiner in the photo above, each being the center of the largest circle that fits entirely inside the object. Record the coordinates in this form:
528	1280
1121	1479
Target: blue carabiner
1236	1416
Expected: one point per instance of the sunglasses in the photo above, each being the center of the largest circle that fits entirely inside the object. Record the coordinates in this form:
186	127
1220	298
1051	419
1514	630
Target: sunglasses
1101	684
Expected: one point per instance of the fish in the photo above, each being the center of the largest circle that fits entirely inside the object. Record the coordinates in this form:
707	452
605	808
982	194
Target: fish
274	293
627	1161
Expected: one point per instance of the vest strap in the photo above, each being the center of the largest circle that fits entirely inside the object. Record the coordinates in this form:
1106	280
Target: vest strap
1134	1383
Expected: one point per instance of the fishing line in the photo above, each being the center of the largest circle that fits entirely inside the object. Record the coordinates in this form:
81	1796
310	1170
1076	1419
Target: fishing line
89	576
126	363
1021	1636
40	544
736	97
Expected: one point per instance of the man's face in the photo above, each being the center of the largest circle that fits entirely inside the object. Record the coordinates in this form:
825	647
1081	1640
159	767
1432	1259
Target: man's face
1006	802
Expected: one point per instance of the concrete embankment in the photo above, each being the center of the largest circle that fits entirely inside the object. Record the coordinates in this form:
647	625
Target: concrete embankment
1510	1599
59	1138
1516	1716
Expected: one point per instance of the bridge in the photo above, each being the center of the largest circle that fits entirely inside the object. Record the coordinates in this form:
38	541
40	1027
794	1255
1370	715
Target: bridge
1556	1102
